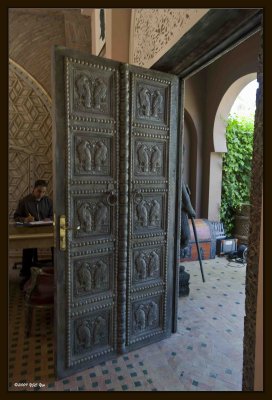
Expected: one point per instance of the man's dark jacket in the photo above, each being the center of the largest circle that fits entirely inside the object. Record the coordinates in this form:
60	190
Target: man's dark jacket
38	209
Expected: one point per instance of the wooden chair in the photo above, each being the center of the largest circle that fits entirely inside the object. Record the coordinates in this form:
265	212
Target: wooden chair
38	293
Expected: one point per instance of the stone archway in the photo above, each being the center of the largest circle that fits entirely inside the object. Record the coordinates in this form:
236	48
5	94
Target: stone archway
219	143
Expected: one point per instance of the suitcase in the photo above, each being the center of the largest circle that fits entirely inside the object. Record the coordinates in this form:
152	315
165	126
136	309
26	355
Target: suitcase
206	240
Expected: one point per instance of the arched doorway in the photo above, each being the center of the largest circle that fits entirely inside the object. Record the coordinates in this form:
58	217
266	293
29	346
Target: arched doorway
219	143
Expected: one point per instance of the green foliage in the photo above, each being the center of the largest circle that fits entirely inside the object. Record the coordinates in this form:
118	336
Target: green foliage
237	163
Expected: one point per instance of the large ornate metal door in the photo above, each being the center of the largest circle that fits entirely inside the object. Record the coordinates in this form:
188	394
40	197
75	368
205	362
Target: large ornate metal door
152	212
115	154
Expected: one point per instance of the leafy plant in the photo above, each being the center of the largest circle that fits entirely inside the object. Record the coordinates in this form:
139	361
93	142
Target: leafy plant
237	163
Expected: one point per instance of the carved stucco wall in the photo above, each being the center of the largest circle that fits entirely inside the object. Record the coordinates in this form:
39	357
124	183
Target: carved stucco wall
155	31
30	135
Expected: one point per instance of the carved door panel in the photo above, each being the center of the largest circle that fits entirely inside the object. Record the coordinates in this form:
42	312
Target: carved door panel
152	194
86	172
115	154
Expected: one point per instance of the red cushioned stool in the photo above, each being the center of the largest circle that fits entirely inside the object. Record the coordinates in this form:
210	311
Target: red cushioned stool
38	293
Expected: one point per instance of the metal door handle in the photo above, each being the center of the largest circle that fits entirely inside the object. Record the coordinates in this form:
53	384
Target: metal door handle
75	228
65	227
137	196
112	198
62	231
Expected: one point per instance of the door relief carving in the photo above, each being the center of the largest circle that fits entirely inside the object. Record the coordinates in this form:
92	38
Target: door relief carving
154	214
83	332
142	213
92	275
152	315
84	212
90	333
90	93
148	213
91	156
141	266
146	265
84	277
150	103
148	158
140	318
146	317
156	159
99	331
93	217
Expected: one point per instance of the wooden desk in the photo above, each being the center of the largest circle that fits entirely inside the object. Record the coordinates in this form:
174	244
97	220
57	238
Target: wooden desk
25	237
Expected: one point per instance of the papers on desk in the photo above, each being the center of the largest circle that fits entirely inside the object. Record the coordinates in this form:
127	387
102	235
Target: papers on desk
39	223
34	223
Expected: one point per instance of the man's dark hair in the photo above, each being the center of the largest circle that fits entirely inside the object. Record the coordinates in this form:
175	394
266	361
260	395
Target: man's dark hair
40	182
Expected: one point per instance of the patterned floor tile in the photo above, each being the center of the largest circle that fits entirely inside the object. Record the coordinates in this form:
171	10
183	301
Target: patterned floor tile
205	354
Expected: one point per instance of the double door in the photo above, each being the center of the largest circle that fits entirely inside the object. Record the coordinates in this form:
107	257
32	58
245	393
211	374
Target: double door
115	199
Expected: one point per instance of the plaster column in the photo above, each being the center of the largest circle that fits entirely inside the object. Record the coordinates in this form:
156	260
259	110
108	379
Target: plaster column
117	34
215	186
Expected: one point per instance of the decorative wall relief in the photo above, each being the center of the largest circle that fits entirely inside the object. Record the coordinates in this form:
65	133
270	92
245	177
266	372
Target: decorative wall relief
147	264
92	275
148	158
154	31
145	317
93	217
30	135
148	213
150	102
92	156
91	333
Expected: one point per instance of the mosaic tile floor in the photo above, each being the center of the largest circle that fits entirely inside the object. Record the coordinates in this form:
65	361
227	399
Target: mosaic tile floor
205	354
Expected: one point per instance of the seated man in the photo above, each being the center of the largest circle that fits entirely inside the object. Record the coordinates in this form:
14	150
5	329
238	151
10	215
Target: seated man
33	207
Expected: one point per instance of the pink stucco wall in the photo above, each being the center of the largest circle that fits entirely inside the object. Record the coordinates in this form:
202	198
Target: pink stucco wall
203	94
